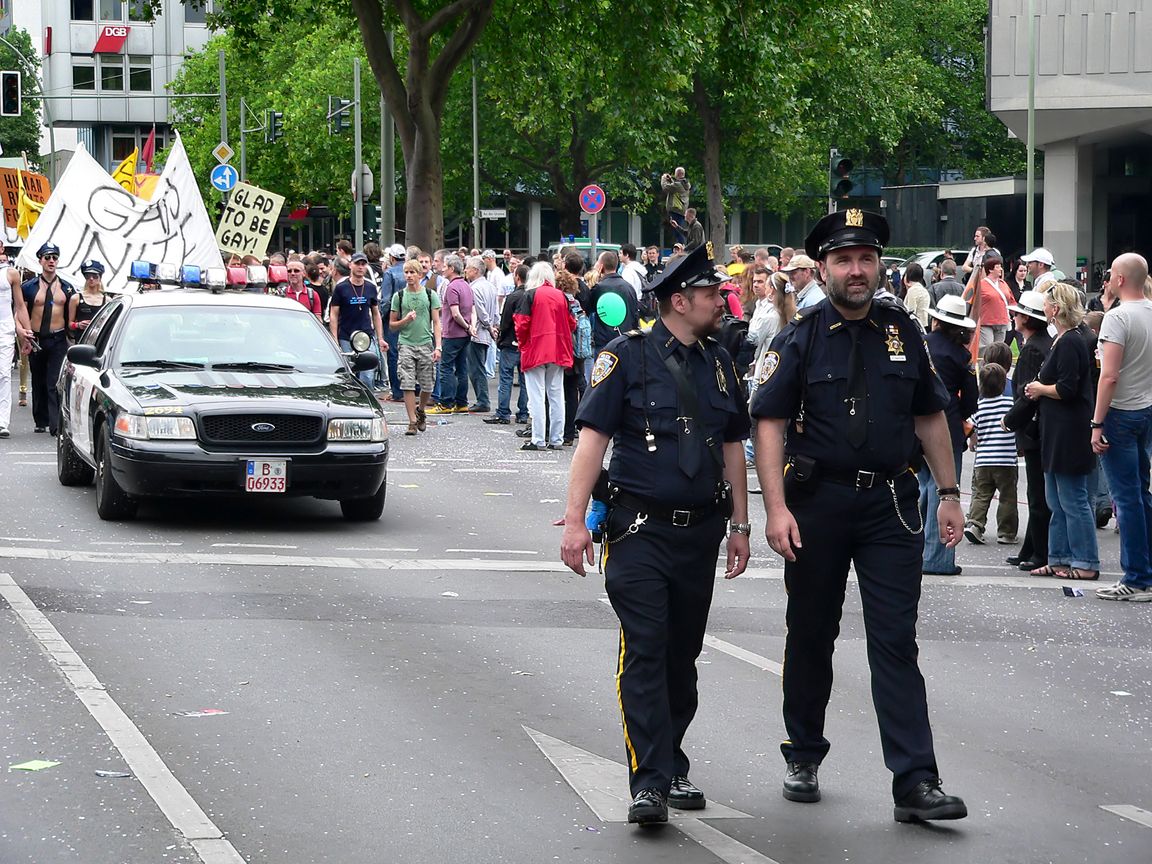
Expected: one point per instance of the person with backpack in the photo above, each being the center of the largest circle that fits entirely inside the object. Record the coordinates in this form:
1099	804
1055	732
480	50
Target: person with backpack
415	320
47	297
299	290
574	382
510	355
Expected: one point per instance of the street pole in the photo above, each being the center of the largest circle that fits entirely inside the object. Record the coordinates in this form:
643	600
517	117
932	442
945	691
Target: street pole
47	113
475	159
387	169
1030	182
243	143
223	99
357	178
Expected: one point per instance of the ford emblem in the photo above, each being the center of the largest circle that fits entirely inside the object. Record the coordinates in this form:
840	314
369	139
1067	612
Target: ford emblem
263	427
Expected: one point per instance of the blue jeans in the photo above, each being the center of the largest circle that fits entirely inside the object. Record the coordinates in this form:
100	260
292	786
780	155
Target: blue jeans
509	363
938	558
392	337
1126	465
454	372
1072	531
477	357
367	377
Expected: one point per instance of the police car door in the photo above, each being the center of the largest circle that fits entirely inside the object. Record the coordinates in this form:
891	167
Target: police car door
81	382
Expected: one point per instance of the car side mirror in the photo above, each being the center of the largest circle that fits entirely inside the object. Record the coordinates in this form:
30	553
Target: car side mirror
83	355
362	362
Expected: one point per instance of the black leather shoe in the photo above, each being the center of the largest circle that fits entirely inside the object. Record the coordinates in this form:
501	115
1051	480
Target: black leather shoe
649	807
684	796
928	801
1029	566
800	783
1014	560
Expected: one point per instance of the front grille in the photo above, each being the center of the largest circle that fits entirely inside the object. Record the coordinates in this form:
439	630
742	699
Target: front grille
225	429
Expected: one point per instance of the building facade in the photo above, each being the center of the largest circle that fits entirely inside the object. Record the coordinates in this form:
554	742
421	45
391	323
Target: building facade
1093	103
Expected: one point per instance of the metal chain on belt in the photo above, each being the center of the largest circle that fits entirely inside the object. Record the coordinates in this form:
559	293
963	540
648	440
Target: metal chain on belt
900	516
640	519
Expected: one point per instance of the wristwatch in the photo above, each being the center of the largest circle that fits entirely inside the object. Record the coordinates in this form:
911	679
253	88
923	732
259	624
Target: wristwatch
744	528
1092	424
951	490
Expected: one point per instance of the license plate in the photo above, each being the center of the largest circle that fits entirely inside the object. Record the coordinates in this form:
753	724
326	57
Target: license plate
266	475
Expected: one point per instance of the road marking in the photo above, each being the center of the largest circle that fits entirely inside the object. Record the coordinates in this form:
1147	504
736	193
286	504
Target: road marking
30	539
497	551
181	810
602	784
133	543
486	470
251	546
33	463
1127	811
743	654
29	452
409	470
378	549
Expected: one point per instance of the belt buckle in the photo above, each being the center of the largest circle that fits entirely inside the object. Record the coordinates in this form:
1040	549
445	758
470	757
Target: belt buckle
681	518
865	479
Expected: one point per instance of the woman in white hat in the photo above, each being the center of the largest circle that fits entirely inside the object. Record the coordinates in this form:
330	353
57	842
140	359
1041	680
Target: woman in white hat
948	344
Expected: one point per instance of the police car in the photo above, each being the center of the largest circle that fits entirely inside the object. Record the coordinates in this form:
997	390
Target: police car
194	392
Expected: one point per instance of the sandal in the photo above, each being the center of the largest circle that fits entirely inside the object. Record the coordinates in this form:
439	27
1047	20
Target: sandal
1079	575
1049	570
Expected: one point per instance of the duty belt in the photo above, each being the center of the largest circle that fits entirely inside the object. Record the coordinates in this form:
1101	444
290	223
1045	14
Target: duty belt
858	479
681	518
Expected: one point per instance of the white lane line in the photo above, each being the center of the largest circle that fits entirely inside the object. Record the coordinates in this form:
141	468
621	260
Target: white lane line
497	551
133	543
33	463
30	539
181	810
29	452
747	656
1128	811
486	470
409	470
725	848
251	546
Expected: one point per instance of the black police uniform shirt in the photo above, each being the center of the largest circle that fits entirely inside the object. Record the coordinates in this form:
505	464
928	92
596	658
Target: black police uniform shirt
901	385
625	390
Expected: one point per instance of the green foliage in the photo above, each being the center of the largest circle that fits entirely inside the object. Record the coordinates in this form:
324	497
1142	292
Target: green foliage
22	134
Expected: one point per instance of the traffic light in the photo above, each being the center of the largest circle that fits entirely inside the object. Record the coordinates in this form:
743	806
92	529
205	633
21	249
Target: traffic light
338	120
273	126
840	183
9	94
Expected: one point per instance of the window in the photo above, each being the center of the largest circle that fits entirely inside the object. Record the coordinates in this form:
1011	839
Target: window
82	10
111	74
137	11
111	10
123	143
83	74
140	74
195	11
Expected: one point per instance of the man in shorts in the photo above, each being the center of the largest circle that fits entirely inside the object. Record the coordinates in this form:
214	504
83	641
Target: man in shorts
415	317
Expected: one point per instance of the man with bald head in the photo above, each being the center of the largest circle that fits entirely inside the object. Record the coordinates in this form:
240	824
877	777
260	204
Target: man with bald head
1122	424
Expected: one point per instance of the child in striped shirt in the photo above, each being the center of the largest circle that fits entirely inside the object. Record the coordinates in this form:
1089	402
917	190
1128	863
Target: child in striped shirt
996	468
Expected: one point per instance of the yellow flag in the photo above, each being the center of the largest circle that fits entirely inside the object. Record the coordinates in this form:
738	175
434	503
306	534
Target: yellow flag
125	173
27	210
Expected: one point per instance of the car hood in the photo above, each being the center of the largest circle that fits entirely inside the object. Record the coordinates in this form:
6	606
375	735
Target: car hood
217	389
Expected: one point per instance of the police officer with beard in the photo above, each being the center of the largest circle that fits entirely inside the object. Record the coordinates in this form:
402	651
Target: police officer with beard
671	404
845	389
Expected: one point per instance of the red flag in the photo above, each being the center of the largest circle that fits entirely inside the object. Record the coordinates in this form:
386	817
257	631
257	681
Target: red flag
149	150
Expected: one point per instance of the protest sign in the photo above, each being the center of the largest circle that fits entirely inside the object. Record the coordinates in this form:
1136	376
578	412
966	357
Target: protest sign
248	221
89	215
35	185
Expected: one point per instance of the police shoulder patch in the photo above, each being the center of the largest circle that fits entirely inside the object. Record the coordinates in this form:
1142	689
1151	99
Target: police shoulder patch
605	364
771	364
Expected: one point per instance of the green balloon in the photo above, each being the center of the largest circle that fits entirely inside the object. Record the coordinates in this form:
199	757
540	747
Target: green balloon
611	309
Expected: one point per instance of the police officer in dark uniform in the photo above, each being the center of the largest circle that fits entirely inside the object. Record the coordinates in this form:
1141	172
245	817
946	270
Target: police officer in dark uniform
670	403
846	388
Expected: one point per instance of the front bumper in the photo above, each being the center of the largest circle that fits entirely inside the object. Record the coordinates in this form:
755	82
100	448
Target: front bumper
159	468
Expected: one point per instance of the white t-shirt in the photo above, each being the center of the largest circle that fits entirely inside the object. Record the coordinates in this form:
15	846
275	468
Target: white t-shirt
635	275
1130	326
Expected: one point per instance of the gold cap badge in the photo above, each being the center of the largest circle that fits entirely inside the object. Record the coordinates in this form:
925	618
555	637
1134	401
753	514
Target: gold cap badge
854	218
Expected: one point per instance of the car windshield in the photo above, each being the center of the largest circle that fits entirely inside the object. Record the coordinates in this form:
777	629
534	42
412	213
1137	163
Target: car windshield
239	338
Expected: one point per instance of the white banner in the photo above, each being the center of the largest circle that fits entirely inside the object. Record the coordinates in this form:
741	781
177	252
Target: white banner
89	215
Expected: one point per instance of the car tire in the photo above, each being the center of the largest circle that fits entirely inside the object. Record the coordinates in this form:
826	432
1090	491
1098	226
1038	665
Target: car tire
365	509
112	502
71	470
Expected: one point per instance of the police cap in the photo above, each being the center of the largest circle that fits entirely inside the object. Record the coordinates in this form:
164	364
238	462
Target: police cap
48	249
851	227
92	266
697	269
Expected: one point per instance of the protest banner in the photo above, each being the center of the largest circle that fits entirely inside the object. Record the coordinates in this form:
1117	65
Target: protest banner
89	215
248	221
35	185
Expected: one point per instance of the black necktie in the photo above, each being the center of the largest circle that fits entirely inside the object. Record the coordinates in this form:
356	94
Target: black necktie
46	311
857	392
688	447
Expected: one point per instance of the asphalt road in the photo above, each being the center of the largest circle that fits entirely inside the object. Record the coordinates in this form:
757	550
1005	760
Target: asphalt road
379	682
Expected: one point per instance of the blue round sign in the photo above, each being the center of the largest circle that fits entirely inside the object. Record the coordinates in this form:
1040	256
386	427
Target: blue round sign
592	199
224	177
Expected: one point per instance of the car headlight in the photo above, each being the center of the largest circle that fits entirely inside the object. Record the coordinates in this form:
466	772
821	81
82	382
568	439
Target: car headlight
156	428
358	429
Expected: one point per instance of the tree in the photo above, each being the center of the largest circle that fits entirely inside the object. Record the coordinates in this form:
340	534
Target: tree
22	134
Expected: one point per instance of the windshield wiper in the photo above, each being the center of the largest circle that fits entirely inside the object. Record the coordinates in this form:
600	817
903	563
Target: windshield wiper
255	367
164	364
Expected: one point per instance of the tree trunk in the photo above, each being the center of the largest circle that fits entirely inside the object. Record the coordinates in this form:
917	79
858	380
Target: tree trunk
710	120
424	213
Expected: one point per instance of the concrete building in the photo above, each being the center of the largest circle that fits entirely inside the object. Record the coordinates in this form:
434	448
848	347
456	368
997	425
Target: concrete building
1093	118
108	69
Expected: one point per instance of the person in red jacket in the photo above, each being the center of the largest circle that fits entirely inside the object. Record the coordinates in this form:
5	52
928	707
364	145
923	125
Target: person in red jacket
544	327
